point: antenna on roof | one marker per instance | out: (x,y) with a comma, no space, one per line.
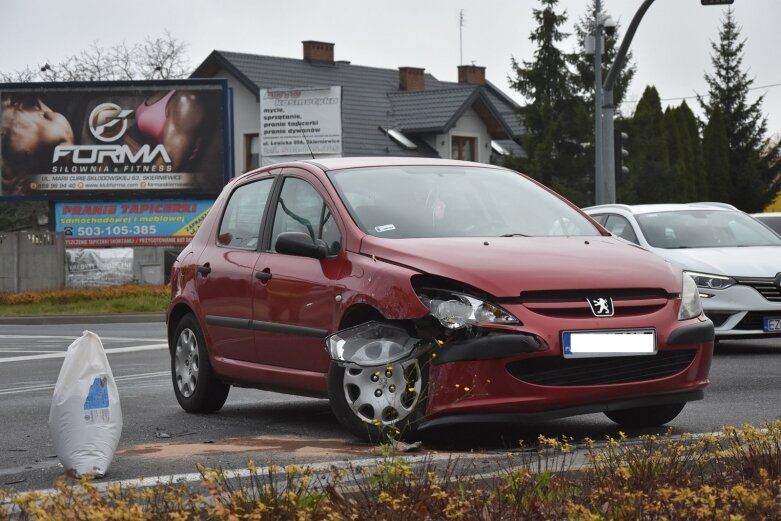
(461,36)
(305,139)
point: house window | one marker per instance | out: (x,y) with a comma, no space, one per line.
(251,152)
(464,148)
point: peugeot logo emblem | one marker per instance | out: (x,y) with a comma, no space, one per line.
(601,306)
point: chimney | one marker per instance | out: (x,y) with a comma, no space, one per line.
(318,51)
(471,74)
(411,79)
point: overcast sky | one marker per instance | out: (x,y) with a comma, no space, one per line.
(671,48)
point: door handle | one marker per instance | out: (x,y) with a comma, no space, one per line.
(263,275)
(204,270)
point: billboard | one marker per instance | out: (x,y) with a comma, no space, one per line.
(300,122)
(86,268)
(129,223)
(65,141)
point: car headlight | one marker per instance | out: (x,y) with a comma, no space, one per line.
(708,281)
(456,310)
(690,299)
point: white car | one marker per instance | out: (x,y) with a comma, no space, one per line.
(770,219)
(734,259)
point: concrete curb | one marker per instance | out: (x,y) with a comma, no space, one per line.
(115,318)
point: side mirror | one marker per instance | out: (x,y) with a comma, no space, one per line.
(301,245)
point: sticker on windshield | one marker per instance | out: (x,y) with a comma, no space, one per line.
(384,228)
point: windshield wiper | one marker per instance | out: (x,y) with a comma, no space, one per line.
(515,235)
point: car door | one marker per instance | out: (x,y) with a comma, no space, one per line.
(295,296)
(226,272)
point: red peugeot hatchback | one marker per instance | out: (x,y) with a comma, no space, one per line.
(414,293)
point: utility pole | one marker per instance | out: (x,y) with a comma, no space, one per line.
(608,177)
(605,174)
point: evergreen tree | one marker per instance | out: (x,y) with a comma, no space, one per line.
(715,151)
(753,164)
(555,117)
(687,124)
(682,184)
(649,164)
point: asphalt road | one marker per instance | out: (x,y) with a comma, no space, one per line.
(159,439)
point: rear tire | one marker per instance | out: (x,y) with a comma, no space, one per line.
(652,416)
(196,387)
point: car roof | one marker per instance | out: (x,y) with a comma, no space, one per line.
(338,163)
(639,209)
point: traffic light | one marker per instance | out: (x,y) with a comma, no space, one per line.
(619,151)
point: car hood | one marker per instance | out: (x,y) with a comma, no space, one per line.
(506,266)
(748,261)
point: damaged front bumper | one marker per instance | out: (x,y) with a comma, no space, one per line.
(375,344)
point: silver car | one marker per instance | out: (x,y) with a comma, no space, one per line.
(734,259)
(770,219)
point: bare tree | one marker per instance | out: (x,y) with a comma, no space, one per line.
(164,57)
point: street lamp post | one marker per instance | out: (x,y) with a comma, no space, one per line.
(605,173)
(608,110)
(599,158)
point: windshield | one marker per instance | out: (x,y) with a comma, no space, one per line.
(454,201)
(704,229)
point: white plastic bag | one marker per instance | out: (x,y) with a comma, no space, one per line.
(85,419)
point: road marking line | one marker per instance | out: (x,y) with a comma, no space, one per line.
(15,350)
(112,351)
(244,472)
(72,338)
(50,387)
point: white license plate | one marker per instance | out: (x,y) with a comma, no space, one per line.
(629,342)
(772,324)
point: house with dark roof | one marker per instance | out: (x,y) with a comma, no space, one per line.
(384,112)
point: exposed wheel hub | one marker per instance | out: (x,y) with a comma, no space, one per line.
(383,395)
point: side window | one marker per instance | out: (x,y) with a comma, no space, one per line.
(301,209)
(600,218)
(619,225)
(240,226)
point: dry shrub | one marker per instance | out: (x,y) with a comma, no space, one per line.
(62,296)
(729,477)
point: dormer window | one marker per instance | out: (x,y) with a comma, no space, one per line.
(400,139)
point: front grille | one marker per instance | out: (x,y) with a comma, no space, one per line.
(765,286)
(583,294)
(599,371)
(755,320)
(717,318)
(574,303)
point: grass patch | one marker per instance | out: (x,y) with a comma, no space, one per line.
(735,476)
(87,301)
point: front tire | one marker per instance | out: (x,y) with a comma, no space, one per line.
(379,403)
(196,387)
(652,416)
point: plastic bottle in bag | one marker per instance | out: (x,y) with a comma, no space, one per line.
(85,419)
